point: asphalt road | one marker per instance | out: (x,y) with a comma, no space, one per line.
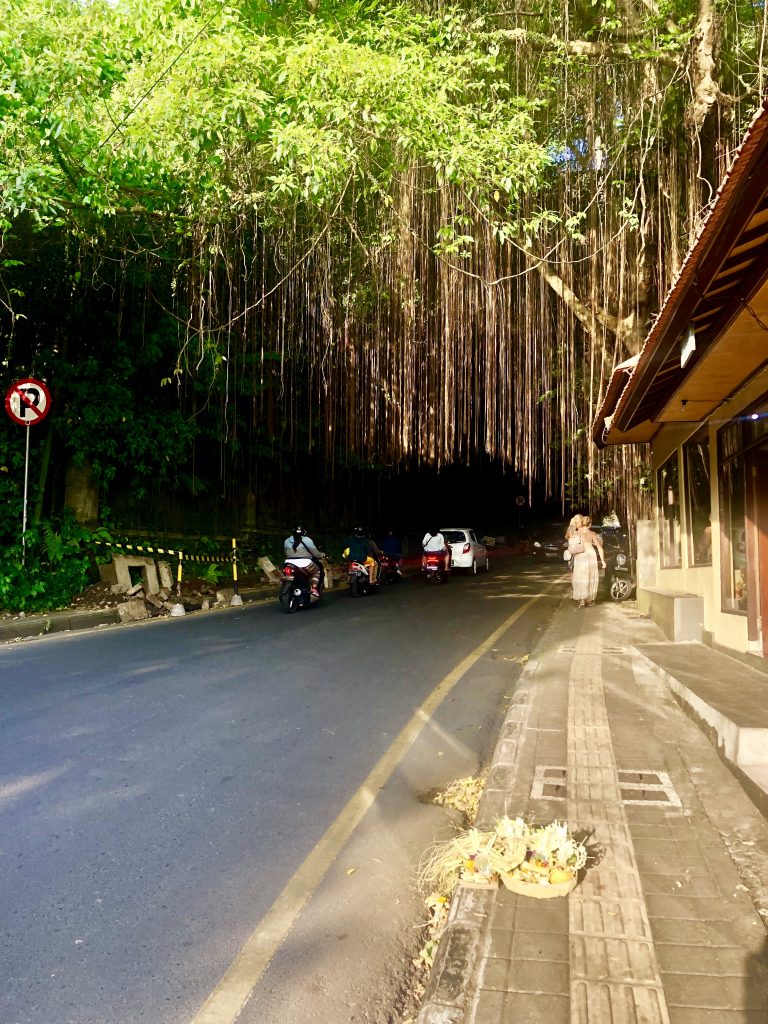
(160,784)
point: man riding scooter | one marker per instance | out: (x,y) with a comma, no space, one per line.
(360,548)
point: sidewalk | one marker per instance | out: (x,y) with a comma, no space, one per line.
(668,923)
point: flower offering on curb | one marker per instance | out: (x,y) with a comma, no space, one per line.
(535,860)
(551,861)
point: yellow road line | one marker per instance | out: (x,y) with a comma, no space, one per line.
(226,1002)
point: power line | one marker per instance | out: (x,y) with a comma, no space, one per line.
(161,76)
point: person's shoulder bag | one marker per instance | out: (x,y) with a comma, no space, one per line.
(575,544)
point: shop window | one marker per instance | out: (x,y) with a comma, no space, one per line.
(698,497)
(669,512)
(734,544)
(756,423)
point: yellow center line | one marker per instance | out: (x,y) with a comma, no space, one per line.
(225,1004)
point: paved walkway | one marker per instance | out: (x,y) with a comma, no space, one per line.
(665,925)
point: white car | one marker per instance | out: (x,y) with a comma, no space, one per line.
(467,552)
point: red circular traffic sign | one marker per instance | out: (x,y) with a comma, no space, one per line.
(28,401)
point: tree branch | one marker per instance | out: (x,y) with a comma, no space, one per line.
(624,330)
(583,47)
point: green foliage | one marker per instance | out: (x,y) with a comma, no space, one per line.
(196,109)
(211,573)
(115,417)
(149,145)
(59,562)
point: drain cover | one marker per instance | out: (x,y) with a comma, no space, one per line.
(644,787)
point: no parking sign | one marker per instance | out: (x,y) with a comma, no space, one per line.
(28,401)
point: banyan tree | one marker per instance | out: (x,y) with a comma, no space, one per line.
(392,234)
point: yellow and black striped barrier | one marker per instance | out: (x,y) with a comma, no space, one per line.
(151,549)
(143,548)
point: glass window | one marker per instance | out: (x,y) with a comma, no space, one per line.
(734,544)
(756,423)
(669,512)
(454,536)
(698,498)
(729,440)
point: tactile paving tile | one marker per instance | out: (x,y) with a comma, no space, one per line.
(614,972)
(616,1004)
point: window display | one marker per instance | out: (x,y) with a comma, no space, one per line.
(698,497)
(669,512)
(734,545)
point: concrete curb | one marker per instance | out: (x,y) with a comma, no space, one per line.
(35,626)
(55,622)
(450,990)
(729,739)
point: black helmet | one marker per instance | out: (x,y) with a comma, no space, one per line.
(299,531)
(358,531)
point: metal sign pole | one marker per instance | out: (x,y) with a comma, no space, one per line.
(24,516)
(27,402)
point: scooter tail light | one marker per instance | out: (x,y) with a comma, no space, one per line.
(288,570)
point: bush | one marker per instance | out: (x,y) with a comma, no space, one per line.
(59,563)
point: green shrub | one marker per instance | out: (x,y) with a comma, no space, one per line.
(58,563)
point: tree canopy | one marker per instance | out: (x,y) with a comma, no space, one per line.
(361,233)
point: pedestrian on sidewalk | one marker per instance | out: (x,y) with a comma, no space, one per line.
(585,547)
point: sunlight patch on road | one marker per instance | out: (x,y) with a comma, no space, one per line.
(226,1002)
(11,790)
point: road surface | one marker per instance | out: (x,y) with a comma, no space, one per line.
(176,792)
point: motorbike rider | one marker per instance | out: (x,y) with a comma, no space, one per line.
(393,549)
(360,548)
(302,551)
(433,542)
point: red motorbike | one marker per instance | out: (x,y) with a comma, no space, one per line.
(436,566)
(389,570)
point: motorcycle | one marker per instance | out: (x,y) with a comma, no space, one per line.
(436,567)
(389,570)
(618,580)
(296,588)
(359,580)
(621,583)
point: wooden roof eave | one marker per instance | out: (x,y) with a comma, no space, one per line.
(740,198)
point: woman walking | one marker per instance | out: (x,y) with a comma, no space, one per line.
(585,547)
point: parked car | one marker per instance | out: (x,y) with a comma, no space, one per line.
(549,542)
(467,551)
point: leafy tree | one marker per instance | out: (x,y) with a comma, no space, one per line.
(318,205)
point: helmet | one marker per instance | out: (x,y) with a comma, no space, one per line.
(358,531)
(299,531)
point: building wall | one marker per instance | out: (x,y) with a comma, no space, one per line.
(726,628)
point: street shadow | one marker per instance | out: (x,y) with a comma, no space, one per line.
(756,983)
(595,850)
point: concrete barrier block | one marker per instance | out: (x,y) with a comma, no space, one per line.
(108,574)
(165,574)
(132,611)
